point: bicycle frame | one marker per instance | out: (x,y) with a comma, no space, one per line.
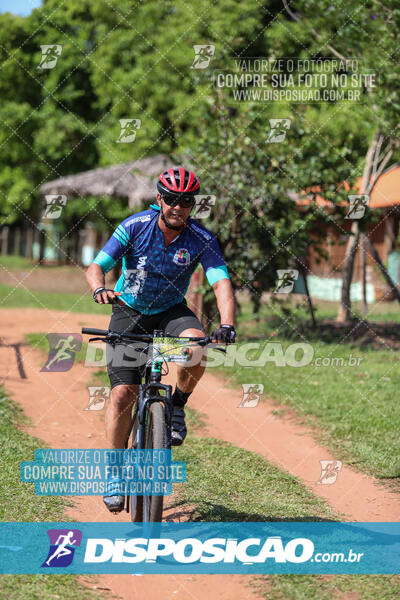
(152,390)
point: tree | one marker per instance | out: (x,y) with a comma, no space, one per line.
(256,219)
(367,32)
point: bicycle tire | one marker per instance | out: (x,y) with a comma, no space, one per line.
(135,502)
(155,439)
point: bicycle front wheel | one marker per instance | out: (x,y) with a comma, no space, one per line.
(155,439)
(135,502)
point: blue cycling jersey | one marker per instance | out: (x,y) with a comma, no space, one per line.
(154,277)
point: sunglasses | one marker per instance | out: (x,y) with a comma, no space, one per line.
(184,201)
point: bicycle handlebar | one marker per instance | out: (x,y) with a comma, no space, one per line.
(114,336)
(91,331)
(137,337)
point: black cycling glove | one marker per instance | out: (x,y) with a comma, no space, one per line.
(225,334)
(100,290)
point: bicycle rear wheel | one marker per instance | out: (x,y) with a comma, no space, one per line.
(155,440)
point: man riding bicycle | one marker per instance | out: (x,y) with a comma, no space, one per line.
(160,249)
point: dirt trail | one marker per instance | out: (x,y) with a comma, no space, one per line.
(56,401)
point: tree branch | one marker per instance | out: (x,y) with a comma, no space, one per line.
(313,31)
(377,153)
(382,166)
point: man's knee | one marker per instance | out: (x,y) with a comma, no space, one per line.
(123,396)
(197,353)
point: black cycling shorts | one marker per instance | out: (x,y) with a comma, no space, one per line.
(127,320)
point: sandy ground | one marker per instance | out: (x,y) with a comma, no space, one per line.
(56,403)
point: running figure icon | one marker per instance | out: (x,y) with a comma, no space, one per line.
(62,549)
(64,348)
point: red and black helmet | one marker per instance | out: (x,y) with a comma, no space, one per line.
(177,181)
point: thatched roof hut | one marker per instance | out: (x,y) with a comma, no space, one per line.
(134,181)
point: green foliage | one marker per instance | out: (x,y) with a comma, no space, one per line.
(123,60)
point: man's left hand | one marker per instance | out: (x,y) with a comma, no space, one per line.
(225,334)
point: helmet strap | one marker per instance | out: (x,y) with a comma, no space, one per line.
(174,227)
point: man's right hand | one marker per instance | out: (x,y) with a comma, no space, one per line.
(103,295)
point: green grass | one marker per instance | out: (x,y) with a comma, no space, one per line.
(225,483)
(231,484)
(327,587)
(17,499)
(275,315)
(19,503)
(16,262)
(17,297)
(354,408)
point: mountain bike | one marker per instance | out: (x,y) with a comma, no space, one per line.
(152,411)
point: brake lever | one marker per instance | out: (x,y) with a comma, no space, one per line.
(111,339)
(221,350)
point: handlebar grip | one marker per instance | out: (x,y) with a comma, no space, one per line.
(91,331)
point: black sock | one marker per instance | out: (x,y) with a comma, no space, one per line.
(179,398)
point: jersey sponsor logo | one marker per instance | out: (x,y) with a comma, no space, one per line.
(138,220)
(181,257)
(206,235)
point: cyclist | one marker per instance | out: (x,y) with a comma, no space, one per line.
(160,248)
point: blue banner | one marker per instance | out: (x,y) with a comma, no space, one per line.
(250,548)
(92,472)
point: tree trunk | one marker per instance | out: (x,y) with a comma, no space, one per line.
(303,271)
(42,243)
(351,249)
(28,242)
(352,244)
(4,239)
(364,275)
(384,272)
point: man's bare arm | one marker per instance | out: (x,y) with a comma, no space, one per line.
(225,301)
(95,278)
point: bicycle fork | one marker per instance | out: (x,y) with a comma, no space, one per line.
(147,395)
